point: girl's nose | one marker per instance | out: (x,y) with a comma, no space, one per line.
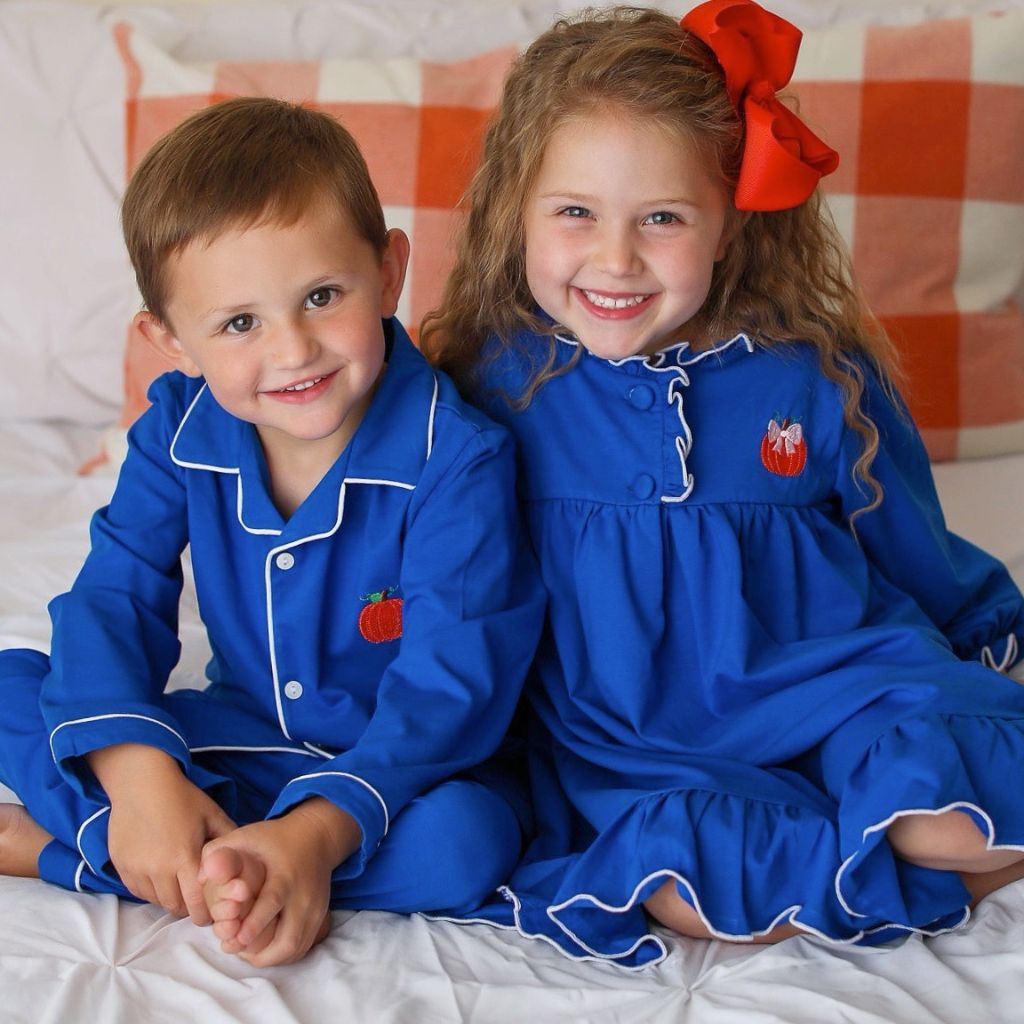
(616,252)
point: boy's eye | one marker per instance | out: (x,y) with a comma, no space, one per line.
(319,297)
(240,324)
(661,217)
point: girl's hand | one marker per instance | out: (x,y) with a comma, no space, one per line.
(159,823)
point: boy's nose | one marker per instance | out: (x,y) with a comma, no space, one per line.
(293,345)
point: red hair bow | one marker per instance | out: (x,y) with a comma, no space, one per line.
(783,159)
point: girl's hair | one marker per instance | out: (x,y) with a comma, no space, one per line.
(233,165)
(786,275)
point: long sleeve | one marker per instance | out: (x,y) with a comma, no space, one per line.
(966,592)
(472,613)
(115,638)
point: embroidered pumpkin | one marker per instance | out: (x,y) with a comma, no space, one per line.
(783,450)
(381,620)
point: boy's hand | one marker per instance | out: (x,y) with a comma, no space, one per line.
(159,823)
(297,853)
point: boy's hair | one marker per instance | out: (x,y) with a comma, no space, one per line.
(786,275)
(235,164)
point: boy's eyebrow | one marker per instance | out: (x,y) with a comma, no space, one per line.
(243,307)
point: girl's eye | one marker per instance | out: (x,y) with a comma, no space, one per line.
(575,211)
(320,297)
(661,217)
(241,324)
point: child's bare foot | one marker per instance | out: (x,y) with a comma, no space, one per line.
(21,842)
(232,880)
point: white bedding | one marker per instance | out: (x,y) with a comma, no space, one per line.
(65,294)
(75,959)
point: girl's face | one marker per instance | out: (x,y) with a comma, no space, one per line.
(623,228)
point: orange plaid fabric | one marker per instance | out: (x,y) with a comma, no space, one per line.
(928,119)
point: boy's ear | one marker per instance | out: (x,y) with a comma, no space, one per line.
(160,336)
(394,264)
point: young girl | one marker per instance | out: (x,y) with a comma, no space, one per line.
(765,702)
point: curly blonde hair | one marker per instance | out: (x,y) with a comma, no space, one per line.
(785,277)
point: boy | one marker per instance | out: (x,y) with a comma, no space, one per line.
(358,562)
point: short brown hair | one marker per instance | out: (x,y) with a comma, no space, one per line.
(235,164)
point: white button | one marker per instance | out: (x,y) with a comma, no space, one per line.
(285,560)
(293,690)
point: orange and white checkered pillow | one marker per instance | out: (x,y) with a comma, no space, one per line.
(928,119)
(929,123)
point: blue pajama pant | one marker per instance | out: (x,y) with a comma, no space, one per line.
(446,851)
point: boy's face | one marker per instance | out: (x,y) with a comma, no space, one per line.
(285,324)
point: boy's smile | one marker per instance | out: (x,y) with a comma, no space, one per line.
(623,228)
(284,323)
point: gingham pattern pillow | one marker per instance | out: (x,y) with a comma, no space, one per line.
(928,119)
(929,122)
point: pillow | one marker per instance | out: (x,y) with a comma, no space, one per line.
(929,123)
(928,119)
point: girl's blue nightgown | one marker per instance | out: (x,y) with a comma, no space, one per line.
(735,691)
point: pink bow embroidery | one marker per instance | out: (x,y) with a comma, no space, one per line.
(790,436)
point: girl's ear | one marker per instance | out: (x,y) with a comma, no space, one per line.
(735,222)
(160,336)
(394,264)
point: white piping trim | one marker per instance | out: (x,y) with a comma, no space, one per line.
(430,419)
(100,718)
(319,751)
(250,750)
(788,915)
(957,805)
(272,554)
(78,876)
(81,829)
(174,441)
(264,532)
(1009,655)
(354,778)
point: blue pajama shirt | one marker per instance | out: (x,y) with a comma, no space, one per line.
(312,691)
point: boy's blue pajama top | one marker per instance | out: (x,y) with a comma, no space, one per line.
(737,693)
(312,689)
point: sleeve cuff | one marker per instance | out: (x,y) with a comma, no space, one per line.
(351,794)
(73,739)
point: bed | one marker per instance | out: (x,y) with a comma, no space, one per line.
(81,85)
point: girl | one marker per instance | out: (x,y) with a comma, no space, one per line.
(765,703)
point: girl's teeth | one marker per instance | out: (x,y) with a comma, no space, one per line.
(607,302)
(305,384)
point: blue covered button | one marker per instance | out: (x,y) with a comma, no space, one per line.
(641,396)
(643,486)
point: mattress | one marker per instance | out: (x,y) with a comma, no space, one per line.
(67,958)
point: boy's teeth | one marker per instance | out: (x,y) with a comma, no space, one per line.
(305,384)
(607,302)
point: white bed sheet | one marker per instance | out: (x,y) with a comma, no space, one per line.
(74,959)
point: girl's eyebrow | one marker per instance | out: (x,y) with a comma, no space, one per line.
(584,199)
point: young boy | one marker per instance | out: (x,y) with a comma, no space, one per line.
(370,604)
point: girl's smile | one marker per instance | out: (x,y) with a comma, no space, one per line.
(623,228)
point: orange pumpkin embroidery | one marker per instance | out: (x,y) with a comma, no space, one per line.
(783,450)
(381,620)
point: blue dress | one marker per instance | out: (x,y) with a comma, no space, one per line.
(367,649)
(735,691)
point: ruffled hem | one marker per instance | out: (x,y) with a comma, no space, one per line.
(835,878)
